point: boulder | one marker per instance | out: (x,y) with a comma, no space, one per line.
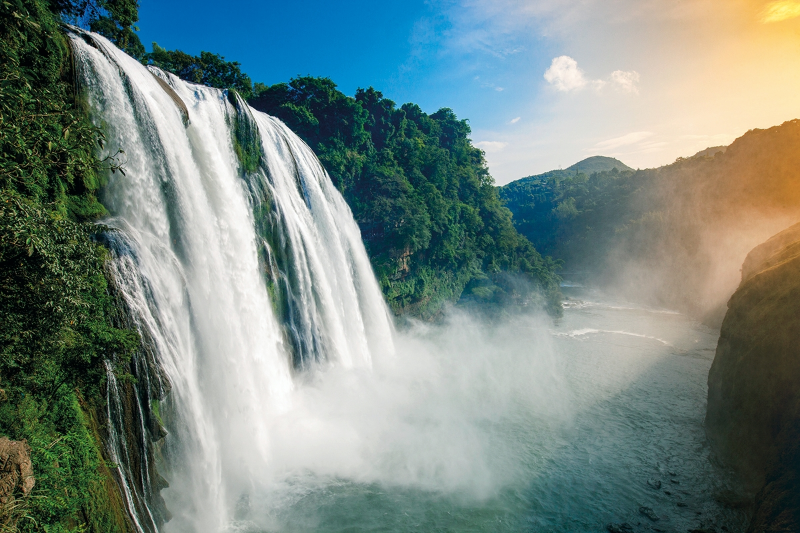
(16,470)
(649,513)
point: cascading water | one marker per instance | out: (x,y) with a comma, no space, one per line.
(239,262)
(268,356)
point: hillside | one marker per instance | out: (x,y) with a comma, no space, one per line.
(598,163)
(547,208)
(586,166)
(674,235)
(753,417)
(62,328)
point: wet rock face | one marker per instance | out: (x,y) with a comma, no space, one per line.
(753,418)
(16,470)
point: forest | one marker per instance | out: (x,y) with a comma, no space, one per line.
(430,215)
(673,236)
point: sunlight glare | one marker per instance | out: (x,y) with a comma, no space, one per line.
(780,10)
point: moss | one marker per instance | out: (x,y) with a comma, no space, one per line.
(246,137)
(155,409)
(57,313)
(104,511)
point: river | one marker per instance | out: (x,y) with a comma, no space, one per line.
(292,403)
(526,425)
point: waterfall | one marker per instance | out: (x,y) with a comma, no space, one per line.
(240,264)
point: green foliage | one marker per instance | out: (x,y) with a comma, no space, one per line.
(558,208)
(429,213)
(56,332)
(113,19)
(46,141)
(246,139)
(566,209)
(122,36)
(57,311)
(55,319)
(71,475)
(207,69)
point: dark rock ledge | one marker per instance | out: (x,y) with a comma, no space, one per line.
(753,418)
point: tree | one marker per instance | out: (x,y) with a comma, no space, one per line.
(429,213)
(114,19)
(207,69)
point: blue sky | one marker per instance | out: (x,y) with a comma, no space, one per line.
(544,83)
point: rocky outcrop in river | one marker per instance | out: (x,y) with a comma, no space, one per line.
(753,418)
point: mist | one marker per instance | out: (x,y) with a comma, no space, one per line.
(435,417)
(677,236)
(493,423)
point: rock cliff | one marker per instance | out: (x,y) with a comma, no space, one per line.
(753,418)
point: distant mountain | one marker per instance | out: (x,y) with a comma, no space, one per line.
(598,163)
(588,166)
(672,236)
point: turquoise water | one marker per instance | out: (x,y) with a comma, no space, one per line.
(527,425)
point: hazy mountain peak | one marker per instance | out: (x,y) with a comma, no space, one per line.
(598,163)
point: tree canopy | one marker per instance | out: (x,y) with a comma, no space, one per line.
(429,212)
(206,69)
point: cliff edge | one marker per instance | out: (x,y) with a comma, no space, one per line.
(753,418)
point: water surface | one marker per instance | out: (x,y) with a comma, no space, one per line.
(528,425)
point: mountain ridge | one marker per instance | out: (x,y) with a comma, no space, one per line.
(588,166)
(674,235)
(598,163)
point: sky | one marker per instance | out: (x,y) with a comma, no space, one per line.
(544,83)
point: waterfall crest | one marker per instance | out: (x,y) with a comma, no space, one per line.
(241,265)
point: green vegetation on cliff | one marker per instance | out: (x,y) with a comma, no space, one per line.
(429,213)
(566,209)
(57,313)
(673,236)
(206,69)
(430,216)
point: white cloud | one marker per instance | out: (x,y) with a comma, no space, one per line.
(625,140)
(626,81)
(564,74)
(491,146)
(515,120)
